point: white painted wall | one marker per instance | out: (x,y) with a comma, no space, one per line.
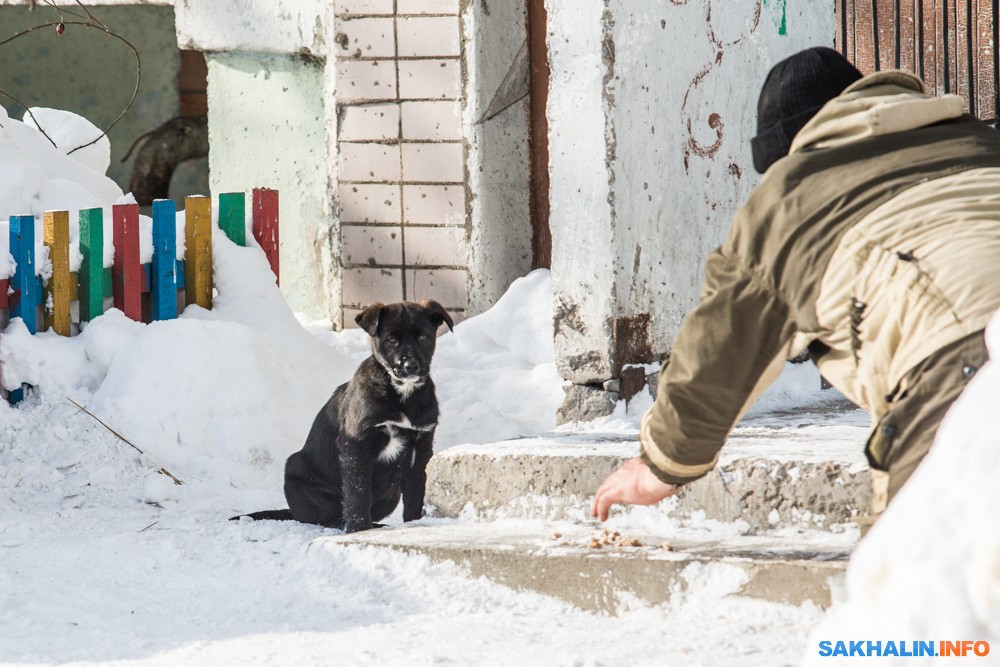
(652,106)
(263,26)
(267,127)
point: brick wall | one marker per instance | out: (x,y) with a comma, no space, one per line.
(402,159)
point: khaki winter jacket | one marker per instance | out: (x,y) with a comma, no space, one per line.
(875,242)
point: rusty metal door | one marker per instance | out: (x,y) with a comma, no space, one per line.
(541,241)
(950,44)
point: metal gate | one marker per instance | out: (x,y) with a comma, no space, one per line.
(950,44)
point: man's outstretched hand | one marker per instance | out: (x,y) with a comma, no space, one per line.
(632,484)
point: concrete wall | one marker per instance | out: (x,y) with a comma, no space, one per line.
(499,175)
(85,72)
(581,216)
(267,127)
(665,95)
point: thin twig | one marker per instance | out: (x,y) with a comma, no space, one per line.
(161,470)
(149,526)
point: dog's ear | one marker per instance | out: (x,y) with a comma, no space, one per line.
(438,314)
(368,318)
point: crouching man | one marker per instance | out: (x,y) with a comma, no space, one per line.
(873,241)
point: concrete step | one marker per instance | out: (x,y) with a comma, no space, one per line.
(559,561)
(805,469)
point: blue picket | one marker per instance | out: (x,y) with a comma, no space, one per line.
(24,283)
(163,283)
(22,247)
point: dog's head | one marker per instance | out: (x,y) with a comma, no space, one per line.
(404,336)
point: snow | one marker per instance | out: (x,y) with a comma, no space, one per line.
(104,560)
(930,567)
(36,176)
(70,131)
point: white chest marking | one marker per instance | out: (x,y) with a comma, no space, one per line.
(406,387)
(394,448)
(397,441)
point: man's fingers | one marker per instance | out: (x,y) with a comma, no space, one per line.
(601,490)
(595,508)
(603,502)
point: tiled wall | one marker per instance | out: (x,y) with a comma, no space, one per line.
(402,165)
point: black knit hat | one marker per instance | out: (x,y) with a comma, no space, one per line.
(794,90)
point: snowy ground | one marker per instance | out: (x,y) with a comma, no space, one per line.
(89,584)
(102,559)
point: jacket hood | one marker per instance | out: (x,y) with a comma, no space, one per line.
(878,104)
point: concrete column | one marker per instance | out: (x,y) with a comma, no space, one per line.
(496,131)
(651,109)
(270,114)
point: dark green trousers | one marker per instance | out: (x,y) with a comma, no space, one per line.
(906,432)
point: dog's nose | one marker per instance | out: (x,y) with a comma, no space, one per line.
(411,366)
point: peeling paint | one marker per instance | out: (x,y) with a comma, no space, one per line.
(567,316)
(581,362)
(783,23)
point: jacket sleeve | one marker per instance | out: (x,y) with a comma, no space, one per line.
(729,349)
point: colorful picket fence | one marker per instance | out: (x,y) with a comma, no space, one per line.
(143,292)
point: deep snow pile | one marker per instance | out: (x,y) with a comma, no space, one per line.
(930,568)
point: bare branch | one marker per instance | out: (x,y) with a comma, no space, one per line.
(162,471)
(88,21)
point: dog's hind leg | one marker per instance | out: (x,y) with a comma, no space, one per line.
(310,504)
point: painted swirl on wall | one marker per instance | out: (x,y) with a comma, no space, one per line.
(693,146)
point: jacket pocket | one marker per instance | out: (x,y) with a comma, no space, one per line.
(880,442)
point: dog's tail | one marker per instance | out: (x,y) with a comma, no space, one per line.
(268,515)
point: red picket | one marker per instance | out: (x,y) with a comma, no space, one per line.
(127,273)
(265,225)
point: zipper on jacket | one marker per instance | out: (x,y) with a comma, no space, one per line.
(857,316)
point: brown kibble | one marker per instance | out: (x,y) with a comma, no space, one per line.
(595,544)
(666,547)
(555,536)
(631,542)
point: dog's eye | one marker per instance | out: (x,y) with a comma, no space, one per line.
(391,341)
(423,338)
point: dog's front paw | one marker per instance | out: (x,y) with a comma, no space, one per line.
(413,513)
(358,525)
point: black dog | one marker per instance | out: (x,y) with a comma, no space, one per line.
(372,440)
